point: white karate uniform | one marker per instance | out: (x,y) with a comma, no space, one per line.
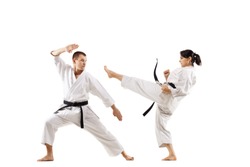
(183,78)
(77,90)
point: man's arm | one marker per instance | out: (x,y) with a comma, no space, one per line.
(67,48)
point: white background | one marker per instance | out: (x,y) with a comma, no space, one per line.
(211,125)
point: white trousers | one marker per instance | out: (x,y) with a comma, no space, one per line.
(91,123)
(165,105)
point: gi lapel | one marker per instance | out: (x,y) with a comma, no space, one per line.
(76,82)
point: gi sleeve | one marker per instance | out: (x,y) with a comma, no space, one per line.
(98,90)
(60,65)
(185,81)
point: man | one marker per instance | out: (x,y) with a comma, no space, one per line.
(77,85)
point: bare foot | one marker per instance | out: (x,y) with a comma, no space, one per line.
(46,158)
(110,73)
(170,158)
(127,157)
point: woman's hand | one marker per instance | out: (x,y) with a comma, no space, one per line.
(165,89)
(166,74)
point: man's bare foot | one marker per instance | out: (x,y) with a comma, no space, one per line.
(110,73)
(170,158)
(46,158)
(127,157)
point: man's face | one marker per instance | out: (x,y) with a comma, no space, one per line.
(80,62)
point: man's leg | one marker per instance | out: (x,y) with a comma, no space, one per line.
(50,128)
(93,125)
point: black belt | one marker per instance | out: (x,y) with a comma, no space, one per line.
(74,104)
(157,81)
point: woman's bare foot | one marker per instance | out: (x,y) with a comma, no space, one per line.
(46,158)
(170,158)
(110,73)
(127,157)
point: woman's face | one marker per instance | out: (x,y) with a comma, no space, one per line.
(185,61)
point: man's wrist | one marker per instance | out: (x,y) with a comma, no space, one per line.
(113,107)
(52,53)
(58,52)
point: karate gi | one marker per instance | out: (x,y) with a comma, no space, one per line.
(77,90)
(183,78)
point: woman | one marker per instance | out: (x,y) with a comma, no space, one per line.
(167,96)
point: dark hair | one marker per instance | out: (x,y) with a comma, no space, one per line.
(77,53)
(195,57)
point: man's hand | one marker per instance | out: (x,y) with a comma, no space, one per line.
(71,47)
(117,113)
